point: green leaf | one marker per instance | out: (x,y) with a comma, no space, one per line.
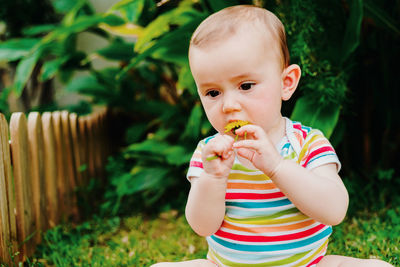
(193,126)
(177,155)
(73,12)
(50,68)
(351,38)
(172,154)
(63,6)
(135,132)
(129,9)
(84,83)
(146,178)
(118,50)
(173,47)
(161,25)
(39,29)
(321,118)
(24,71)
(81,24)
(148,146)
(17,48)
(164,44)
(185,80)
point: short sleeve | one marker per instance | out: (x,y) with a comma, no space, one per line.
(196,164)
(317,151)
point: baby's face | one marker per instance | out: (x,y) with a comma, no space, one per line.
(239,79)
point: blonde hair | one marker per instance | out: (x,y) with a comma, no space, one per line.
(226,22)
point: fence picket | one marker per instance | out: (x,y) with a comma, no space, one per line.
(91,148)
(70,171)
(50,169)
(23,186)
(83,151)
(63,186)
(35,138)
(96,139)
(4,213)
(6,160)
(76,147)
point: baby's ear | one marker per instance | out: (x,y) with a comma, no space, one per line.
(290,79)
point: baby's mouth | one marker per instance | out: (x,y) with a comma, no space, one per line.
(234,125)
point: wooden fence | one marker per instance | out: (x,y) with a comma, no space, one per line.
(43,159)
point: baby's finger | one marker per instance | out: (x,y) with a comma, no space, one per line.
(250,130)
(220,146)
(249,144)
(228,142)
(246,153)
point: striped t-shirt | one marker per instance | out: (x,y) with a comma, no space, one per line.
(262,227)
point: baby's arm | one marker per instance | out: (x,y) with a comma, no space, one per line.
(205,208)
(318,193)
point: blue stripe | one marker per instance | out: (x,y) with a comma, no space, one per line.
(305,128)
(287,146)
(275,247)
(209,138)
(250,213)
(321,156)
(259,205)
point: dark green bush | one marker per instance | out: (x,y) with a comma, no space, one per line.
(347,51)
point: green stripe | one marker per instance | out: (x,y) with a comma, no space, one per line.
(288,260)
(271,219)
(240,167)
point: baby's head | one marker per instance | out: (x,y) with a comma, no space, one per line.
(232,20)
(240,63)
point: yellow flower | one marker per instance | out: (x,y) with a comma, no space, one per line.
(234,125)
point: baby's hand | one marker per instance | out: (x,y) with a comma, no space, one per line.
(218,156)
(258,149)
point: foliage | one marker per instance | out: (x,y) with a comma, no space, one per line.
(322,56)
(157,156)
(150,87)
(323,86)
(10,14)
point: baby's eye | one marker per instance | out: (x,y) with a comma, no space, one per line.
(213,93)
(246,86)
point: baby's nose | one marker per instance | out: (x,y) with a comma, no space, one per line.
(230,104)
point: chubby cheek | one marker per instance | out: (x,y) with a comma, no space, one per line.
(214,117)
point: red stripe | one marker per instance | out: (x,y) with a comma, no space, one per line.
(298,127)
(315,261)
(317,152)
(197,164)
(253,195)
(258,238)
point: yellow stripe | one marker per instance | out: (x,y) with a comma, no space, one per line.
(306,145)
(309,259)
(241,176)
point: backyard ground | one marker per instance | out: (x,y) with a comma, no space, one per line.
(140,240)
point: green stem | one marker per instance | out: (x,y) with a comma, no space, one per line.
(212,157)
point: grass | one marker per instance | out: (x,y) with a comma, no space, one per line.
(130,241)
(142,241)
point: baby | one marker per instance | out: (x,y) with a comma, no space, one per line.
(271,196)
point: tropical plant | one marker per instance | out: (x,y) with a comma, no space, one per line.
(151,87)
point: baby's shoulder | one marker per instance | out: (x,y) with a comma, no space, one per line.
(303,132)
